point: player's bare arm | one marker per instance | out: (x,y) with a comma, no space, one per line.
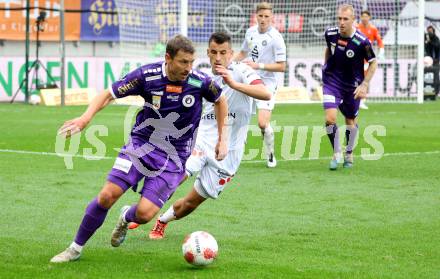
(76,125)
(362,90)
(221,113)
(270,67)
(257,91)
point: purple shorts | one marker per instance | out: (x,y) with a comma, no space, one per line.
(159,183)
(345,101)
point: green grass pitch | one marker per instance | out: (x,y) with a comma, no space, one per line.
(380,219)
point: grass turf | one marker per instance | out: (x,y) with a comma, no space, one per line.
(299,220)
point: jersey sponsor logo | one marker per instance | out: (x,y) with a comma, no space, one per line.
(153,78)
(350,53)
(173,89)
(173,98)
(157,93)
(122,165)
(342,43)
(122,89)
(329,98)
(188,101)
(356,41)
(195,82)
(156,102)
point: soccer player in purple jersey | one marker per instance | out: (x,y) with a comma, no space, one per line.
(160,143)
(344,81)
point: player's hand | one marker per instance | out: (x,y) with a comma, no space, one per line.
(361,91)
(221,149)
(72,127)
(224,73)
(251,64)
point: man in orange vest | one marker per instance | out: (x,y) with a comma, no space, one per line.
(371,32)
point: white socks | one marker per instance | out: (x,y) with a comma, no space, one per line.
(76,247)
(168,216)
(269,139)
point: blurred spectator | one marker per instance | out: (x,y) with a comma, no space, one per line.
(432,45)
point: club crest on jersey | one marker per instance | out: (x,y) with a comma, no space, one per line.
(156,101)
(350,53)
(188,101)
(264,43)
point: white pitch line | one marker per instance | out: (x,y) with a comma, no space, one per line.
(243,162)
(55,154)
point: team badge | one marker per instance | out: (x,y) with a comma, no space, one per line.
(188,101)
(350,53)
(156,101)
(264,43)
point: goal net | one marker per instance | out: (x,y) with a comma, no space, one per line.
(143,35)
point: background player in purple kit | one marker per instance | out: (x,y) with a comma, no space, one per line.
(160,143)
(344,83)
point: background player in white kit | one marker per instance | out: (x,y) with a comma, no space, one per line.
(240,84)
(266,52)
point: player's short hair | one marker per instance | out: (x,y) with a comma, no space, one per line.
(345,7)
(264,6)
(220,38)
(367,12)
(179,42)
(430,27)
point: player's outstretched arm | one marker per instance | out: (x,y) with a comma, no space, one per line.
(257,91)
(76,125)
(362,90)
(270,67)
(221,114)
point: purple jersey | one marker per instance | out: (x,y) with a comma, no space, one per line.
(344,69)
(173,109)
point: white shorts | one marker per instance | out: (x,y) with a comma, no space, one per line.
(213,176)
(268,105)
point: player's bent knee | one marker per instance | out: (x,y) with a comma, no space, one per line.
(107,198)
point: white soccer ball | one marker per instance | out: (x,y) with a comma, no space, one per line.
(199,248)
(34,99)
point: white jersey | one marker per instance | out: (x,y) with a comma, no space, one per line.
(268,47)
(239,110)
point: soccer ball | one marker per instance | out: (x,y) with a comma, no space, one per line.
(199,248)
(34,99)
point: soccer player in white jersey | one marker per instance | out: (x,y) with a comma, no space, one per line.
(265,51)
(240,84)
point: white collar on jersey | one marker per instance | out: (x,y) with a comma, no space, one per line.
(164,72)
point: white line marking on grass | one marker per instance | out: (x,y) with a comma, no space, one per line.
(396,154)
(54,154)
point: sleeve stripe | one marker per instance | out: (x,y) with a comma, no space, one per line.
(256,81)
(371,60)
(111,92)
